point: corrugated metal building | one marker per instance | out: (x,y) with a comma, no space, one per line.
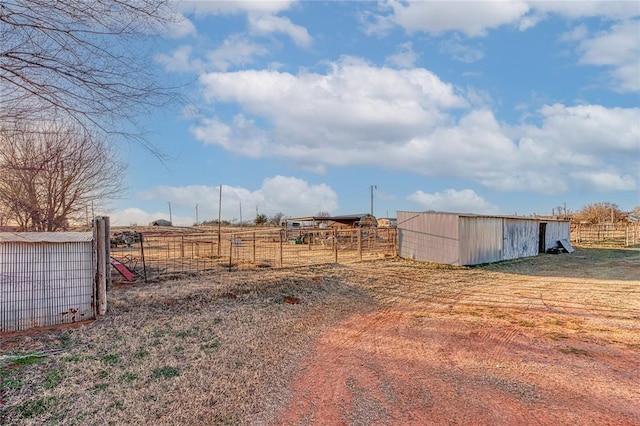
(467,239)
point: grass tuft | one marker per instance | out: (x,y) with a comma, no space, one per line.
(165,373)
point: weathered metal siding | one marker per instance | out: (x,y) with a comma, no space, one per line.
(520,238)
(480,240)
(429,237)
(556,230)
(45,283)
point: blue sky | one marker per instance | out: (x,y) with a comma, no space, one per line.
(503,107)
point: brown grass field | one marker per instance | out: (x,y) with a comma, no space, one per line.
(553,339)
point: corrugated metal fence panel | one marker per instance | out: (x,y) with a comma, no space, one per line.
(481,239)
(45,284)
(431,237)
(555,232)
(520,238)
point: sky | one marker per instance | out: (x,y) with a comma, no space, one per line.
(301,107)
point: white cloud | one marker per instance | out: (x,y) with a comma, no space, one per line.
(180,26)
(179,60)
(606,181)
(610,9)
(279,194)
(235,51)
(450,200)
(410,120)
(577,34)
(353,97)
(619,50)
(265,24)
(459,51)
(473,18)
(209,7)
(590,129)
(405,57)
(476,18)
(134,216)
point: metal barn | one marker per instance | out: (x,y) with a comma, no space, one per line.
(467,239)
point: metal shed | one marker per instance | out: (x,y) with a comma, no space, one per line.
(468,239)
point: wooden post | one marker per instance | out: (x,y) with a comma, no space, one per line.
(144,264)
(254,247)
(101,276)
(359,235)
(107,239)
(335,245)
(230,252)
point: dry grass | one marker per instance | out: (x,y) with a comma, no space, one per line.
(223,349)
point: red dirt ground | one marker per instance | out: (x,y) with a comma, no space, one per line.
(391,368)
(487,358)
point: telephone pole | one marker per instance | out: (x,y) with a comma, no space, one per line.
(372,188)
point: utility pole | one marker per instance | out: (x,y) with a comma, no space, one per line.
(170,216)
(196,213)
(219,221)
(372,188)
(240,216)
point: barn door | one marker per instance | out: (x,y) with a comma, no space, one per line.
(542,238)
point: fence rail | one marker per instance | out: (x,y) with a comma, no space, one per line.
(162,254)
(606,234)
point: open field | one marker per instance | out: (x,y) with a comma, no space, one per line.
(553,339)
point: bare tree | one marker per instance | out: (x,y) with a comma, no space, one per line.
(49,175)
(599,213)
(276,219)
(87,59)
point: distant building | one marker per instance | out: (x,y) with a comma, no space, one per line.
(160,222)
(363,220)
(387,222)
(467,239)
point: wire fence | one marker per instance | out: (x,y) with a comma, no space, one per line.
(154,255)
(606,234)
(44,282)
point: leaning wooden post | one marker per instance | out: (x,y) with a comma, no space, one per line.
(101,277)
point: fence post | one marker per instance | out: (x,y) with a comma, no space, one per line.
(281,261)
(144,263)
(230,252)
(254,248)
(101,276)
(335,245)
(359,239)
(107,246)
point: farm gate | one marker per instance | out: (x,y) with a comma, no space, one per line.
(606,234)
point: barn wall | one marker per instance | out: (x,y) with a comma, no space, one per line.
(480,239)
(520,238)
(429,237)
(556,231)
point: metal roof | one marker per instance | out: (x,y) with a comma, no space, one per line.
(45,237)
(538,218)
